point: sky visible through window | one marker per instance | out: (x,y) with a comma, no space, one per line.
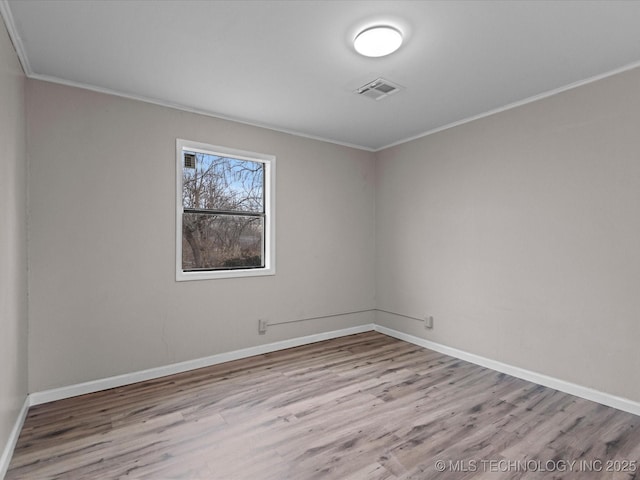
(223,183)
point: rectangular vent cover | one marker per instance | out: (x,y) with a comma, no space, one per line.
(378,89)
(189,160)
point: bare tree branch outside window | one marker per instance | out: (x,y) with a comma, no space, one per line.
(224,213)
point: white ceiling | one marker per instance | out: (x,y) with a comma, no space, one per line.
(291,66)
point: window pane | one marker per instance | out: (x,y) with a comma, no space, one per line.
(221,241)
(221,183)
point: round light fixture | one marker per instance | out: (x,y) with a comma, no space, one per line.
(378,41)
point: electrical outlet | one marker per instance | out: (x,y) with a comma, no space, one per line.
(262,326)
(428,322)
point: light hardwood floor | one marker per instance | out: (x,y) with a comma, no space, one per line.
(365,407)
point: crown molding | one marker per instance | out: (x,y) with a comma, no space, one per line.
(5,11)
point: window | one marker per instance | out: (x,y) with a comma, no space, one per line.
(224,214)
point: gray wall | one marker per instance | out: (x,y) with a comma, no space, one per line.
(13,239)
(520,233)
(103,295)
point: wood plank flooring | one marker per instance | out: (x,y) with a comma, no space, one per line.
(365,407)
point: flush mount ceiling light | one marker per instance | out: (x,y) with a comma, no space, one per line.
(378,41)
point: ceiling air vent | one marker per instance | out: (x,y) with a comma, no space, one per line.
(189,160)
(378,89)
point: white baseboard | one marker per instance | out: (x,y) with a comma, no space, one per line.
(545,380)
(7,453)
(620,403)
(38,398)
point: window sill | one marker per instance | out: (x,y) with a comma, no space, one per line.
(218,274)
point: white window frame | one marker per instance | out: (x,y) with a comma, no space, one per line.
(269,162)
